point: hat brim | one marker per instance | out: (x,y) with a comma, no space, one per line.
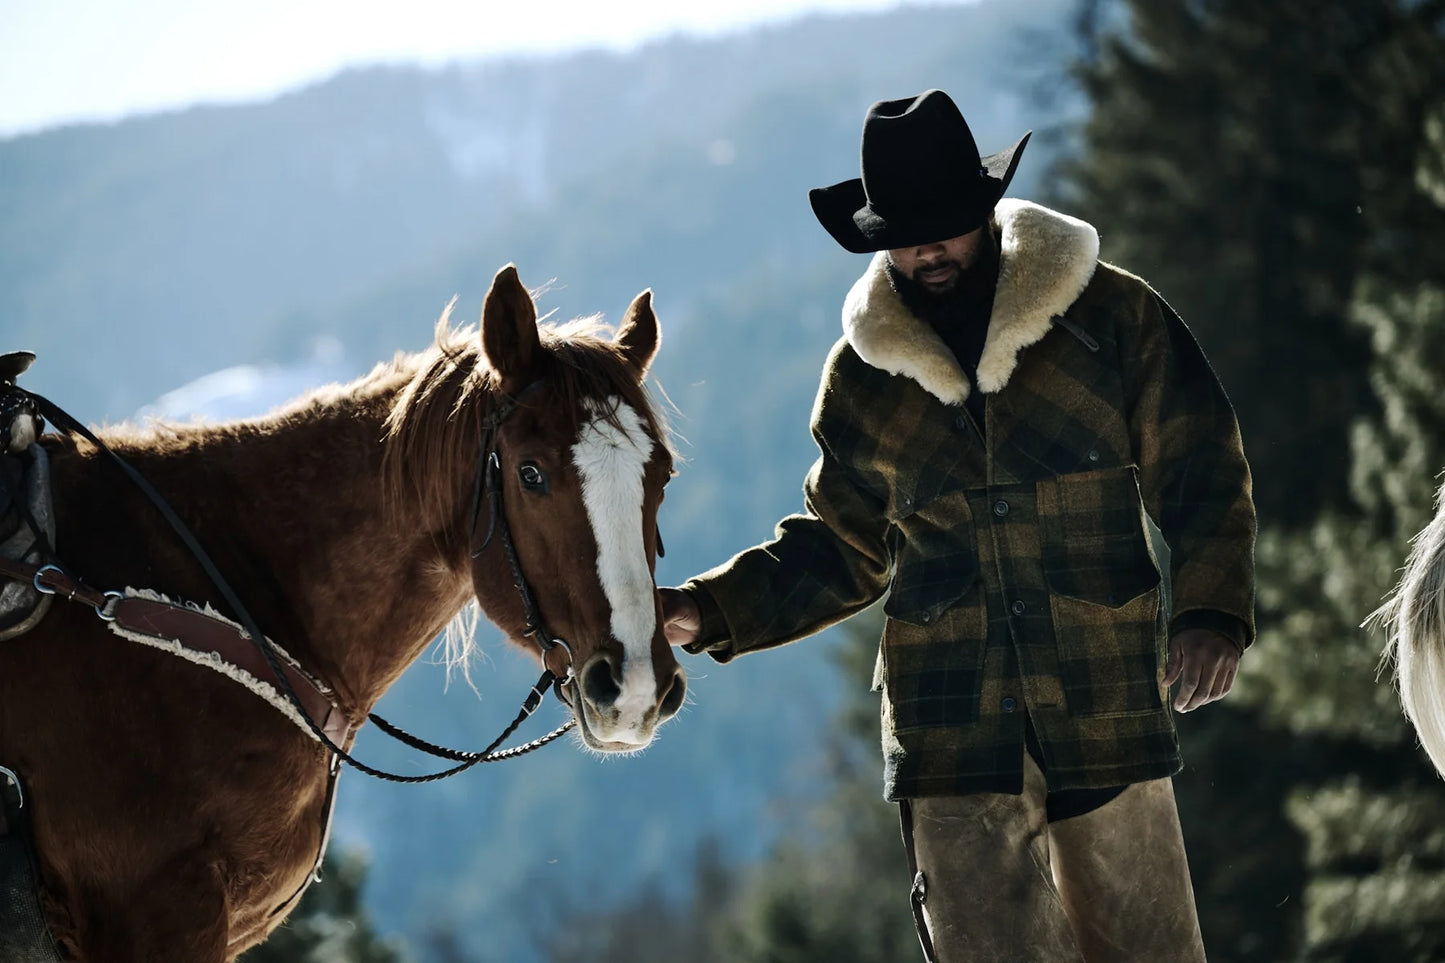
(843,210)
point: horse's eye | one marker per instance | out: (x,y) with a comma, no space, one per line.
(533,478)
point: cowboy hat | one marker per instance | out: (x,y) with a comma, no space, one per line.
(923,179)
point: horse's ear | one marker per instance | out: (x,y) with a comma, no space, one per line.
(638,334)
(509,328)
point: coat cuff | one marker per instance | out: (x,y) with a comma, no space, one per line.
(714,638)
(1232,627)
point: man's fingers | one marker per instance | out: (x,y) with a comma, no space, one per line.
(1203,690)
(1176,663)
(1188,686)
(1223,682)
(1200,675)
(679,632)
(1205,663)
(681,621)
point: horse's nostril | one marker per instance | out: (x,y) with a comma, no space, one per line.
(599,684)
(672,700)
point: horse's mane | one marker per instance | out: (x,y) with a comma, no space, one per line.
(434,402)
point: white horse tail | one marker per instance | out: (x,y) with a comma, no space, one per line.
(1414,620)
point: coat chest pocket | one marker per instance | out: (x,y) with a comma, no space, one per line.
(1092,537)
(933,639)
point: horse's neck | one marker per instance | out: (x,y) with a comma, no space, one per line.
(356,584)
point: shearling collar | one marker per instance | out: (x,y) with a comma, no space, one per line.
(1046,261)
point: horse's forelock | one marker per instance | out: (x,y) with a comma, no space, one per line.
(589,369)
(435,423)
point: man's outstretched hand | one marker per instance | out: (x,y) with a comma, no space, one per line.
(681,619)
(1203,659)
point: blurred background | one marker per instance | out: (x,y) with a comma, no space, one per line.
(206,208)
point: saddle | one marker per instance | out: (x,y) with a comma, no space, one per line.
(24,935)
(27,517)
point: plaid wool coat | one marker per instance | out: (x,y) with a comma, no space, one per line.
(1019,576)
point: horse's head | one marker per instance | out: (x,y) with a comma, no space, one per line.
(577,478)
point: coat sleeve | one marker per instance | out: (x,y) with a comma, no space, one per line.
(821,566)
(1192,472)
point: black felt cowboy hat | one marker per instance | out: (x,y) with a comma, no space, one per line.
(923,179)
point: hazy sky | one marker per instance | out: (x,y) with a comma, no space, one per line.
(63,60)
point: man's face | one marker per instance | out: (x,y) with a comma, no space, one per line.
(939,266)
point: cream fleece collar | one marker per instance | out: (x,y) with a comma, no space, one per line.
(1046,261)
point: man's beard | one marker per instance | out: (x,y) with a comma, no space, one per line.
(970,295)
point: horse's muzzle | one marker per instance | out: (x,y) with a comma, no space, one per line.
(619,707)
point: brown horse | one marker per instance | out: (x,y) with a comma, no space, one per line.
(175,812)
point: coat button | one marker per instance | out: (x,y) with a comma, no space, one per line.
(1009,704)
(926,617)
(920,888)
(1000,508)
(1093,454)
(961,422)
(1019,608)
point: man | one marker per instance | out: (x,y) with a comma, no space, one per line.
(999,416)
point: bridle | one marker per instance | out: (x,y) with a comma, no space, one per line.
(488,486)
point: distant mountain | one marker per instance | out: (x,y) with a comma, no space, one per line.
(139,257)
(176,244)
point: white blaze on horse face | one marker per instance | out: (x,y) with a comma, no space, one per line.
(610,463)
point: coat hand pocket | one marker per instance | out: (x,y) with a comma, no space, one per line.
(1104,588)
(933,639)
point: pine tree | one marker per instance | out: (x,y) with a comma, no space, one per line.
(654,926)
(1374,816)
(1238,155)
